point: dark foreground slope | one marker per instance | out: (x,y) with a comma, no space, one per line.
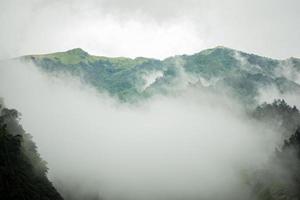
(22,171)
(280,178)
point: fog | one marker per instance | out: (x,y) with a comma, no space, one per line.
(195,144)
(149,28)
(268,94)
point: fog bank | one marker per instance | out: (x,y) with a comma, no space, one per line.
(193,145)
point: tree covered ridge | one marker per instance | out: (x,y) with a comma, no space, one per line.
(23,173)
(241,73)
(280,180)
(279,114)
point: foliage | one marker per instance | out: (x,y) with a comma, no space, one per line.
(240,73)
(279,114)
(22,171)
(281,178)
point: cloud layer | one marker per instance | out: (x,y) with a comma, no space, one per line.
(149,28)
(195,144)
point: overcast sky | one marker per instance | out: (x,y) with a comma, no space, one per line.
(156,28)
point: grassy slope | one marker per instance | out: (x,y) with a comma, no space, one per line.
(123,77)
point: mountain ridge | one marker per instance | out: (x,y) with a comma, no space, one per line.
(241,73)
(79,50)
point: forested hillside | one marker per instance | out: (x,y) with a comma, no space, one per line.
(280,179)
(226,70)
(23,174)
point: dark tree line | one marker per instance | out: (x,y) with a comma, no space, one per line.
(279,114)
(23,174)
(280,180)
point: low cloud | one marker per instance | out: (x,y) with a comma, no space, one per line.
(196,144)
(149,28)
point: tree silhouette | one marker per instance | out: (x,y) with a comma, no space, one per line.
(22,171)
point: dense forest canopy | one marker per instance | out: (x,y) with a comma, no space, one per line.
(280,178)
(23,174)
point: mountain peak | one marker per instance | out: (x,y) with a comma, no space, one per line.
(217,50)
(224,48)
(221,47)
(77,51)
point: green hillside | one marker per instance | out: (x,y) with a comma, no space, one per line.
(240,73)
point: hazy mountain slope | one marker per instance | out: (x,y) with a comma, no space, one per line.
(118,76)
(241,74)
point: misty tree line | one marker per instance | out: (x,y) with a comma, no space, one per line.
(23,174)
(280,115)
(281,178)
(22,171)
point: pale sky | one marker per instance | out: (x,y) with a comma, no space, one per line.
(156,28)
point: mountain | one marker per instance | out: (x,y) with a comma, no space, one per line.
(239,74)
(223,69)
